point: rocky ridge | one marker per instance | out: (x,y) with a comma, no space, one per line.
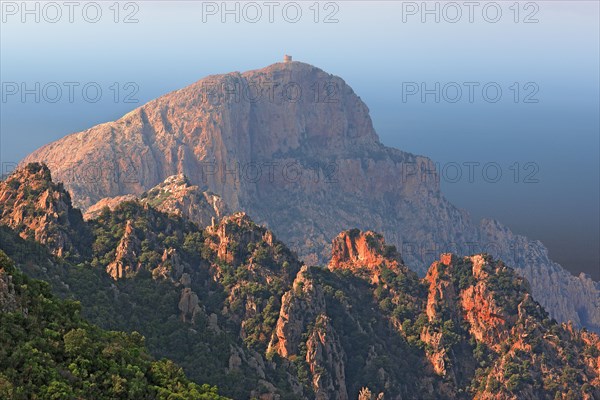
(482,326)
(231,303)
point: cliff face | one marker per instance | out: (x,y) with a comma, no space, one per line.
(296,313)
(308,166)
(484,324)
(325,357)
(303,310)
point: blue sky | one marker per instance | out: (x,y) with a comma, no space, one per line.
(376,47)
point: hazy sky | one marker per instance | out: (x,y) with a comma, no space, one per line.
(542,133)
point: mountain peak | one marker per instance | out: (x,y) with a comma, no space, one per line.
(33,173)
(286,65)
(37,208)
(179,180)
(213,127)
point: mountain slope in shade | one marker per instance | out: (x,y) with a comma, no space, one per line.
(235,307)
(307,166)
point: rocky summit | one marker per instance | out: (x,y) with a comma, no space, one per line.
(294,147)
(173,196)
(38,209)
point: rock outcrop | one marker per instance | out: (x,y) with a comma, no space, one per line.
(473,317)
(109,203)
(478,299)
(171,267)
(295,147)
(8,296)
(173,196)
(41,210)
(317,318)
(126,256)
(299,307)
(234,234)
(326,359)
(487,319)
(189,305)
(364,253)
(440,291)
(303,322)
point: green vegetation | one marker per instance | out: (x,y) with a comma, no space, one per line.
(364,331)
(156,231)
(47,351)
(508,288)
